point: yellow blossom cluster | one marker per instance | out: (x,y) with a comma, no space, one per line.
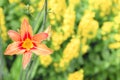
(66,15)
(88,27)
(57,9)
(101,5)
(70,52)
(116,7)
(68,22)
(78,75)
(63,14)
(40,5)
(111,30)
(107,28)
(14,1)
(114,45)
(74,2)
(45,60)
(66,29)
(3,29)
(84,46)
(57,39)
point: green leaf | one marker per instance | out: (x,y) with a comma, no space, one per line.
(38,21)
(16,68)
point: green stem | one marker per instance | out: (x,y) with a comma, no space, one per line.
(33,68)
(38,21)
(45,17)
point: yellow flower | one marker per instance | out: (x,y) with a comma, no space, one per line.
(67,27)
(3,29)
(56,67)
(40,5)
(104,38)
(57,39)
(117,37)
(74,2)
(45,60)
(69,16)
(57,8)
(88,15)
(104,6)
(68,22)
(84,45)
(22,5)
(116,7)
(88,26)
(78,75)
(114,45)
(117,18)
(70,52)
(63,65)
(85,49)
(31,8)
(72,48)
(2,17)
(14,1)
(106,28)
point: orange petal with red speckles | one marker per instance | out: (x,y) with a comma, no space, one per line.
(42,49)
(13,49)
(15,36)
(40,37)
(26,29)
(26,59)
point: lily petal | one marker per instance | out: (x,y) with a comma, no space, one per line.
(48,30)
(26,59)
(13,49)
(42,49)
(26,30)
(15,36)
(40,37)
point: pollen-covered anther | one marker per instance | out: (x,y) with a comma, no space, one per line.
(27,44)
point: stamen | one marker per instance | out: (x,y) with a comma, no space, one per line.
(27,44)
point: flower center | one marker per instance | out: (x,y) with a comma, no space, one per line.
(27,44)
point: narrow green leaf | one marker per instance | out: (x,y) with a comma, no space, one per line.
(38,21)
(16,67)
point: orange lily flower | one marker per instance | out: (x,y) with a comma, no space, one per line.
(25,43)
